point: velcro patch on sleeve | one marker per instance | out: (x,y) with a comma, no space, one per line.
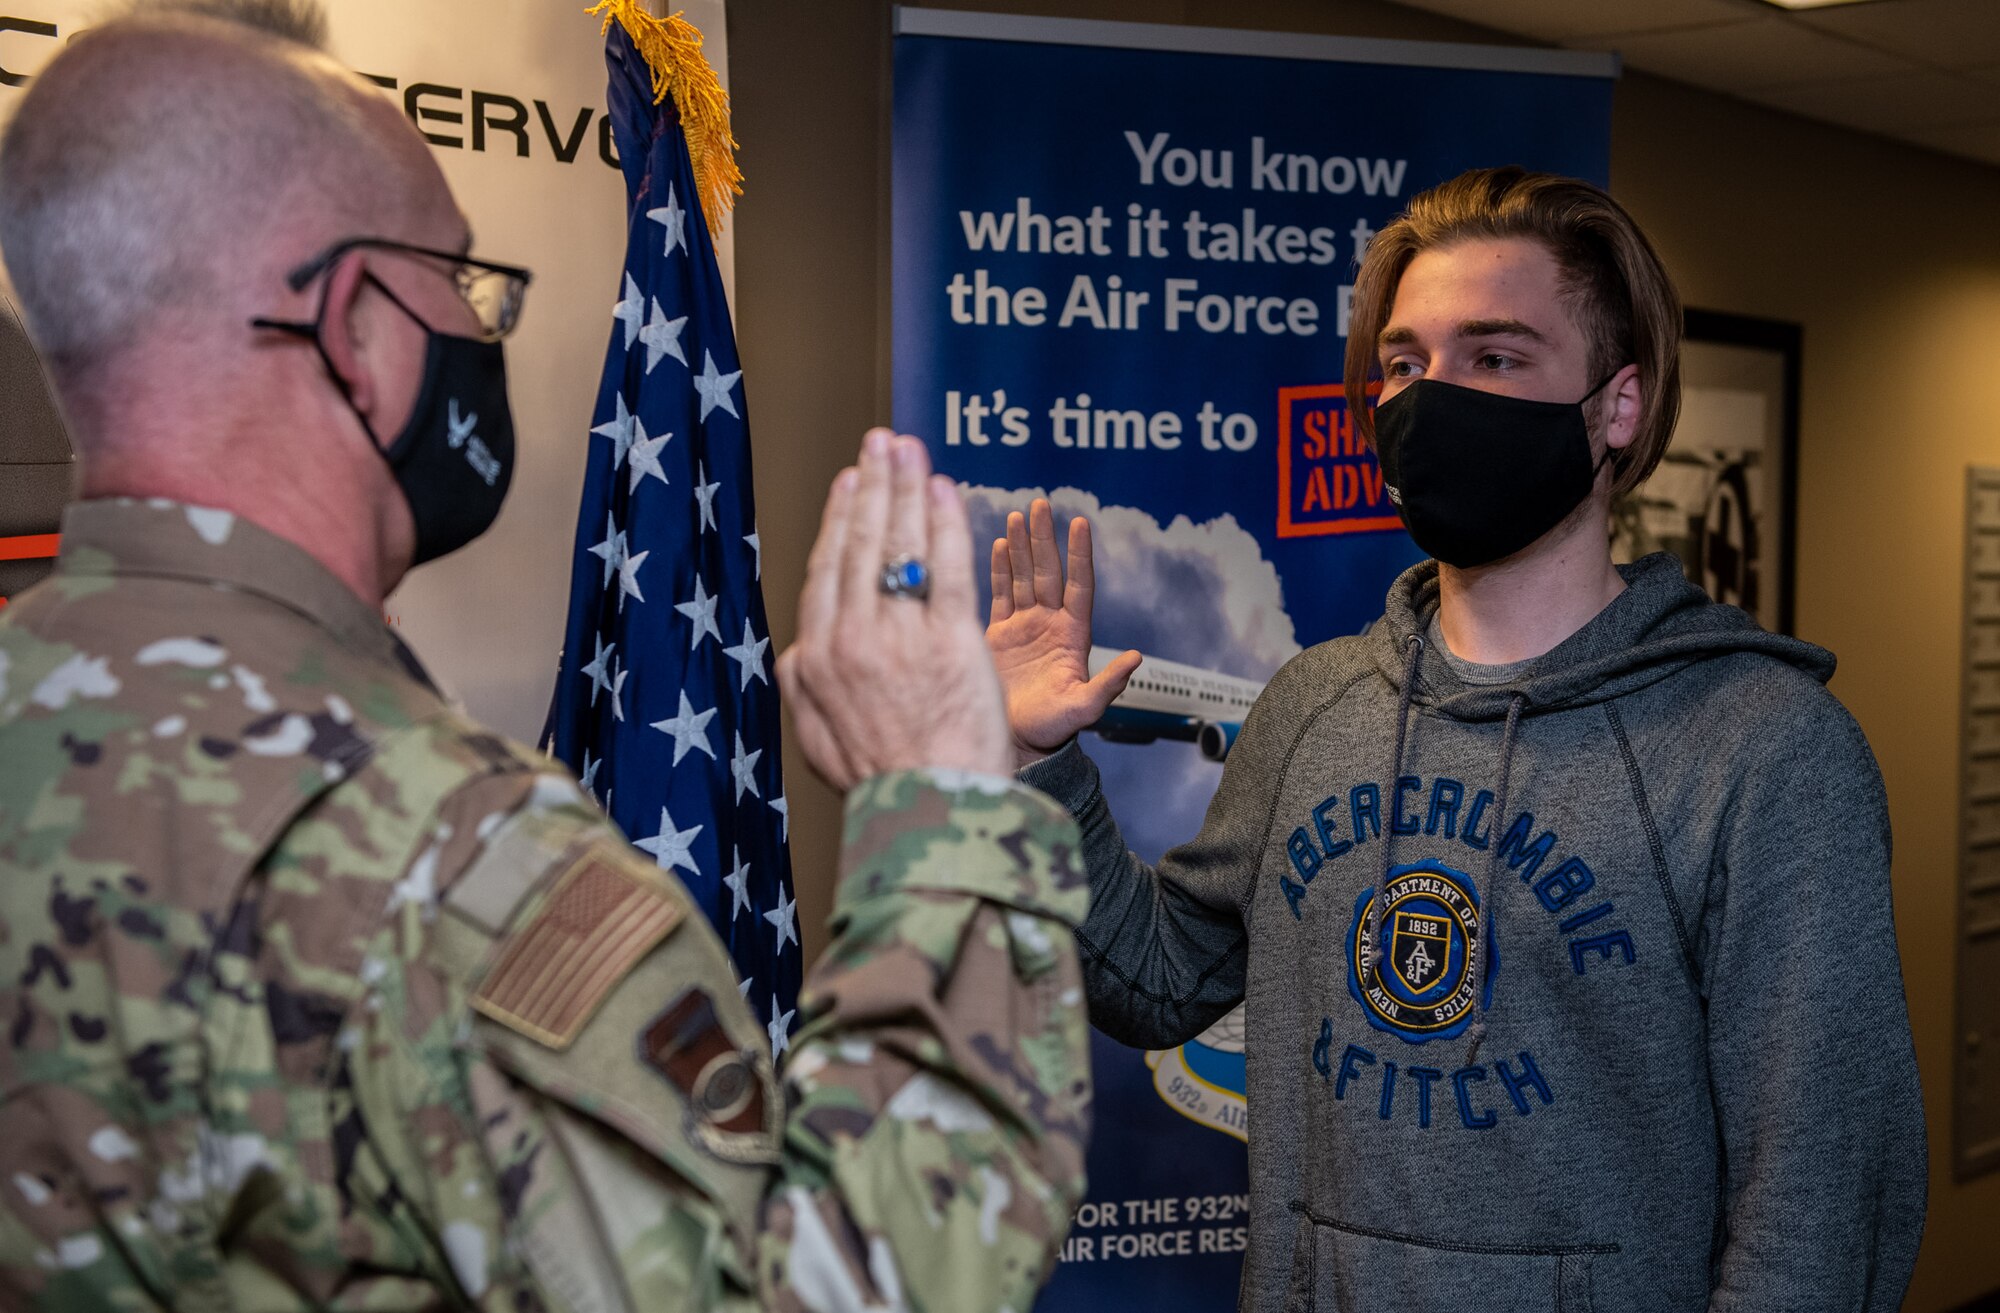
(688,1046)
(558,965)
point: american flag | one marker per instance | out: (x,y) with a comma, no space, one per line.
(665,705)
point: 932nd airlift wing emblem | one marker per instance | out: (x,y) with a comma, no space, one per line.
(561,961)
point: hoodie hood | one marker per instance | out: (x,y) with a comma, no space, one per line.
(1661,624)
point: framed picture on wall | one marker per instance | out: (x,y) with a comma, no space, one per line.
(1725,495)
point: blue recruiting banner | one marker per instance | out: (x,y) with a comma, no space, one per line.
(1123,265)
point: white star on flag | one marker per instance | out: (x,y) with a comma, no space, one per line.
(738,882)
(715,386)
(619,429)
(674,219)
(749,654)
(590,765)
(743,988)
(612,550)
(784,811)
(780,1028)
(628,575)
(662,337)
(784,919)
(646,455)
(690,730)
(630,310)
(599,669)
(740,767)
(757,550)
(702,611)
(704,492)
(617,691)
(672,847)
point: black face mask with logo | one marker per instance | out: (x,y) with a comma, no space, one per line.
(453,459)
(1477,476)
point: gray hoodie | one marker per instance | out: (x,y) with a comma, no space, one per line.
(1635,1038)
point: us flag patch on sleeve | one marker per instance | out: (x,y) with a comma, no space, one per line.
(554,968)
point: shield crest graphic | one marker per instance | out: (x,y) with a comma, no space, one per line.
(1415,982)
(1420,949)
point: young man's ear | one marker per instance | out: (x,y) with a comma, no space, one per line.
(344,335)
(1626,395)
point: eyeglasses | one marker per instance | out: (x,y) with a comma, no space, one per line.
(492,291)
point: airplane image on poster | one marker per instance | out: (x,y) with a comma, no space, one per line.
(1167,700)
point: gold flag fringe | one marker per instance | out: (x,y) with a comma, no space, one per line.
(672,47)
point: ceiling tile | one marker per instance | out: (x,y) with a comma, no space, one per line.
(1745,56)
(1891,104)
(1917,70)
(1979,143)
(1942,33)
(1567,20)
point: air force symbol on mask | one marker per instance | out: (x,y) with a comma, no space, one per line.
(462,433)
(1420,988)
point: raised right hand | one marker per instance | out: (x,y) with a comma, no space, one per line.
(1040,634)
(879,683)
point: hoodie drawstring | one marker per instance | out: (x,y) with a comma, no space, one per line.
(1415,642)
(1489,911)
(1475,962)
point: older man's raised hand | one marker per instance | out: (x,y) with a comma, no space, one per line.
(883,677)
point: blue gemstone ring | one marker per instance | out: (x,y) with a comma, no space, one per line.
(906,576)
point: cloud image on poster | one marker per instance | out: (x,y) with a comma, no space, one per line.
(1199,595)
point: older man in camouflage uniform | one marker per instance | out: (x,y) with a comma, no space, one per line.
(319,996)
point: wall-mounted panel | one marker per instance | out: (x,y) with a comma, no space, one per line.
(1976,1077)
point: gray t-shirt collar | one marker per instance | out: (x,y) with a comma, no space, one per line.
(1472,673)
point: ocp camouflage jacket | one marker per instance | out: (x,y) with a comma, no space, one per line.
(319,996)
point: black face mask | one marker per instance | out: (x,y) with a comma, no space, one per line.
(1477,475)
(454,457)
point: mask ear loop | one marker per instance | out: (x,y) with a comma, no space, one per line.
(1600,385)
(1603,460)
(313,331)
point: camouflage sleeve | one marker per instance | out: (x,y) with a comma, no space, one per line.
(940,1095)
(564,1092)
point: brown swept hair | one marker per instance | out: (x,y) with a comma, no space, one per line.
(1612,281)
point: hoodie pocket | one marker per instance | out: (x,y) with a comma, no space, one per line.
(1341,1268)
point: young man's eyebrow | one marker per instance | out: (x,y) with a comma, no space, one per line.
(1500,328)
(1400,335)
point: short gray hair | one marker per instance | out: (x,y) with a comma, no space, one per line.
(302,22)
(168,150)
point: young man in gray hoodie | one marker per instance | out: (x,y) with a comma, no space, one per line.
(1560,899)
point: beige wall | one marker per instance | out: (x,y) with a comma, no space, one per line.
(1889,257)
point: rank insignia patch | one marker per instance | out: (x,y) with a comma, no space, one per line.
(688,1046)
(556,966)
